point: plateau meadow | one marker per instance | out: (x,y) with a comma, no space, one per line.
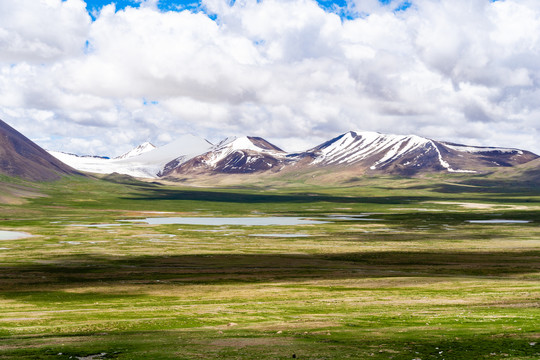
(388,268)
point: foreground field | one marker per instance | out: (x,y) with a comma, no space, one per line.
(413,278)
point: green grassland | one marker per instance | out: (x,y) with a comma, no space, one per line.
(417,281)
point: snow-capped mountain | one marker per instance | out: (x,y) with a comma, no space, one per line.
(147,164)
(378,149)
(407,154)
(141,149)
(357,151)
(233,155)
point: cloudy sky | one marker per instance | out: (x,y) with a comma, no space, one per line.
(99,78)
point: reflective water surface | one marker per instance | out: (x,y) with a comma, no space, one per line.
(12,235)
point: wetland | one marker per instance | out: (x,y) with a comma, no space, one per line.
(328,284)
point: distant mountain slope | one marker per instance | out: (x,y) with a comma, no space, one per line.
(532,173)
(407,155)
(147,164)
(527,174)
(232,156)
(21,157)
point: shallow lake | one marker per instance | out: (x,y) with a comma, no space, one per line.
(352,217)
(220,221)
(96,225)
(12,235)
(280,235)
(498,221)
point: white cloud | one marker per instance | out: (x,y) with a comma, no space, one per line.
(42,31)
(458,70)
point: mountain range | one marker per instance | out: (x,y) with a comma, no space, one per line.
(362,152)
(188,156)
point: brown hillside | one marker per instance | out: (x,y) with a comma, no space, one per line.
(21,157)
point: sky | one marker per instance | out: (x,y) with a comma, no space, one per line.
(99,78)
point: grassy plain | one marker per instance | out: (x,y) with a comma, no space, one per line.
(414,281)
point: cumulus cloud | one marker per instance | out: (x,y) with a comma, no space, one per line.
(459,70)
(42,31)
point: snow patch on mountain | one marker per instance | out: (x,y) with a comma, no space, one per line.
(141,149)
(480,149)
(400,146)
(446,165)
(355,146)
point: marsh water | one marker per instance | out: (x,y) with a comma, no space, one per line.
(95,225)
(12,235)
(220,221)
(498,221)
(241,221)
(277,235)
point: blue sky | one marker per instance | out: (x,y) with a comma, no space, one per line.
(165,5)
(343,8)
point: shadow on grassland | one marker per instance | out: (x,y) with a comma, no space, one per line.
(519,189)
(238,197)
(97,270)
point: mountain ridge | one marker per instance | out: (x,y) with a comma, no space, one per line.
(409,154)
(364,152)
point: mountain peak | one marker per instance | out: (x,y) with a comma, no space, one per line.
(245,154)
(247,143)
(141,149)
(247,147)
